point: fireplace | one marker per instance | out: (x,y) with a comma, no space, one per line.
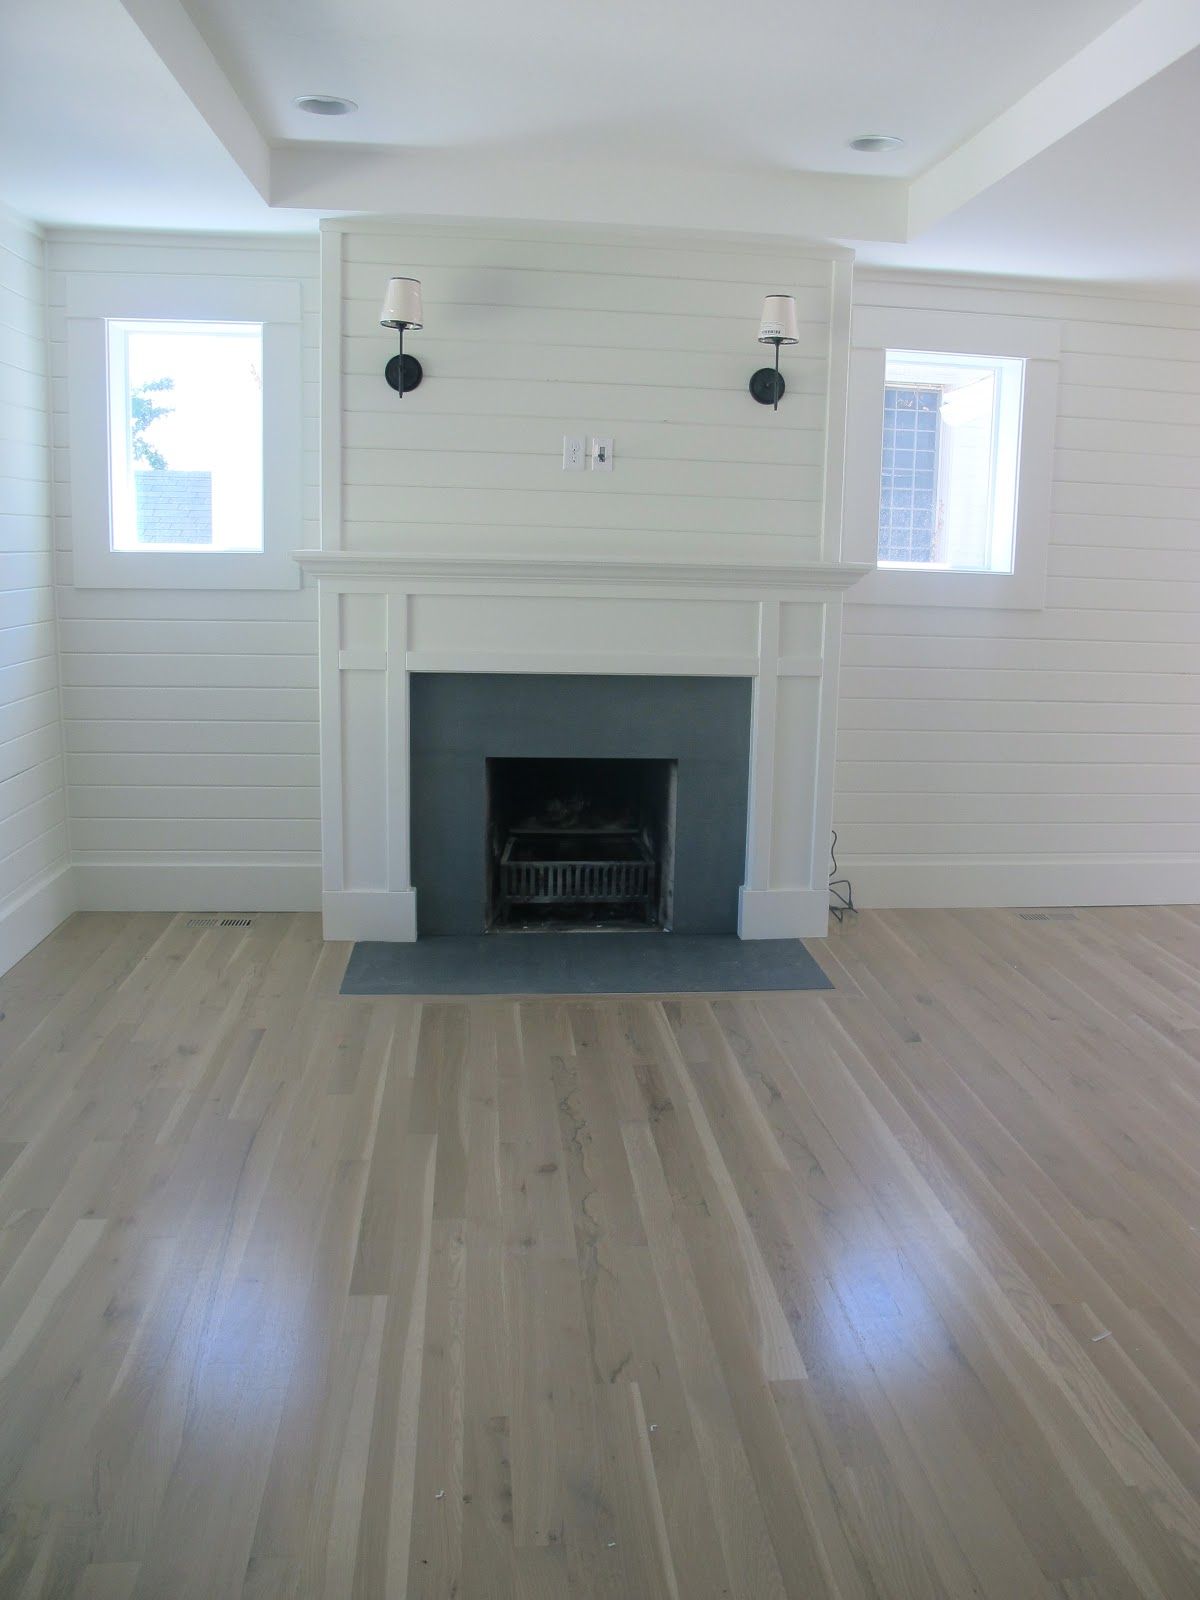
(719,654)
(578,801)
(583,843)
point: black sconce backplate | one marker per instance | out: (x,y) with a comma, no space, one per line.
(767,386)
(413,373)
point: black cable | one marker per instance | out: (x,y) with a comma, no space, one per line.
(840,902)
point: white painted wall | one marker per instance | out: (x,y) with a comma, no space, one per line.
(1050,756)
(191,716)
(34,885)
(532,333)
(1020,756)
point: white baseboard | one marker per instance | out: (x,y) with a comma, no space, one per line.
(783,913)
(370,914)
(34,914)
(191,886)
(1040,882)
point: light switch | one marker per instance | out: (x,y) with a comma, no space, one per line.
(573,453)
(602,455)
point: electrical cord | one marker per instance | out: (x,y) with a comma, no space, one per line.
(841,890)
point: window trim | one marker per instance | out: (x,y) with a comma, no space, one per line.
(875,331)
(277,305)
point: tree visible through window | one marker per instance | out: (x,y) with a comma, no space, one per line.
(188,474)
(142,412)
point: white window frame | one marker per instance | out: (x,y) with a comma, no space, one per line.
(277,305)
(875,331)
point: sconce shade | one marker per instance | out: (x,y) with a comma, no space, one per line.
(779,324)
(402,304)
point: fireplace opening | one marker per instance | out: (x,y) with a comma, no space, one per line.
(584,843)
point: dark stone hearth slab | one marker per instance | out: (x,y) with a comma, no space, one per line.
(581,963)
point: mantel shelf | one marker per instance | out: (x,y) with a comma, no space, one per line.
(535,567)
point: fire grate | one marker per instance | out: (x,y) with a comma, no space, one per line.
(612,868)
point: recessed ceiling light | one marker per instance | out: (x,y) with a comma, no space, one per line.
(873,143)
(325,105)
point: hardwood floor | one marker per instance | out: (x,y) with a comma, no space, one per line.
(887,1292)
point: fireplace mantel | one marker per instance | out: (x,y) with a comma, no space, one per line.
(532,566)
(714,606)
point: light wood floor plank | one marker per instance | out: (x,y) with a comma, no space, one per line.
(888,1292)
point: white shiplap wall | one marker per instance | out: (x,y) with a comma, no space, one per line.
(190,716)
(1053,756)
(34,849)
(534,333)
(1020,756)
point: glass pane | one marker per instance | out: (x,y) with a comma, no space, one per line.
(186,436)
(951,434)
(910,440)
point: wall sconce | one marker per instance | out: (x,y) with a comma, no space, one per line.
(778,327)
(402,309)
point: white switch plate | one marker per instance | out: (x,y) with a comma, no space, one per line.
(573,453)
(602,455)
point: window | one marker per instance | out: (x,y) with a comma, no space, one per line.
(909,507)
(951,441)
(950,455)
(185,401)
(185,430)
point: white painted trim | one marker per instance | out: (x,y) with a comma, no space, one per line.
(398,751)
(618,571)
(35,914)
(277,304)
(764,713)
(121,885)
(550,661)
(329,700)
(1043,881)
(54,437)
(841,299)
(714,241)
(783,913)
(868,278)
(467,183)
(827,717)
(1035,340)
(370,914)
(331,387)
(161,294)
(362,660)
(800,666)
(370,736)
(969,333)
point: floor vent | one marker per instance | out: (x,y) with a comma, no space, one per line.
(237,922)
(1048,916)
(219,922)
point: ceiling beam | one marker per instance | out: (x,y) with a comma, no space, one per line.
(1142,43)
(178,43)
(482,183)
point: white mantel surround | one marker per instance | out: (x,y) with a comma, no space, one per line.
(725,607)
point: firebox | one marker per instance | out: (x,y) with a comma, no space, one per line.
(580,842)
(664,758)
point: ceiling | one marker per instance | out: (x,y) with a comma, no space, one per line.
(1117,200)
(781,83)
(94,131)
(1046,139)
